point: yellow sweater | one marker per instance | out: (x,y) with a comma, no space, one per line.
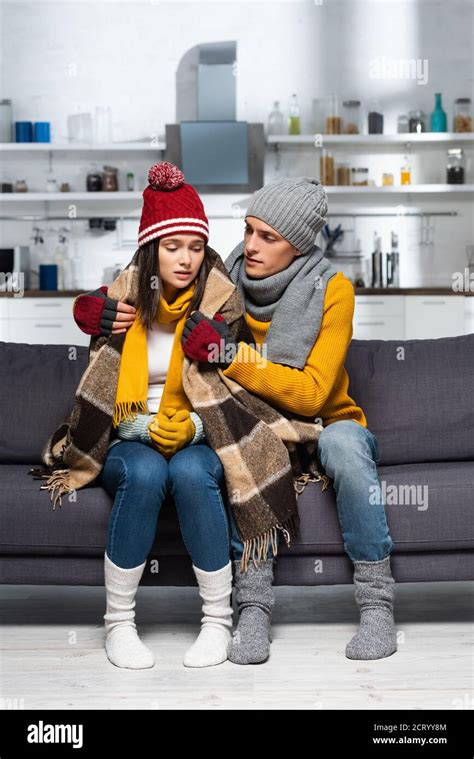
(320,389)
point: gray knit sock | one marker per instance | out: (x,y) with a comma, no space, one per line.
(376,637)
(254,595)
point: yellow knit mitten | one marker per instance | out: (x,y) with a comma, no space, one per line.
(171,430)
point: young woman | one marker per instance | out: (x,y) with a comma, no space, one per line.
(162,448)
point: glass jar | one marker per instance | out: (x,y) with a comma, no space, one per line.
(402,124)
(326,167)
(455,166)
(333,117)
(110,179)
(21,186)
(462,115)
(94,179)
(375,117)
(417,121)
(405,172)
(343,174)
(6,121)
(351,116)
(359,177)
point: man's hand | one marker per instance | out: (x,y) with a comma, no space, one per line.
(208,340)
(171,430)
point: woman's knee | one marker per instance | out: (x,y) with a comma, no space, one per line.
(136,465)
(195,464)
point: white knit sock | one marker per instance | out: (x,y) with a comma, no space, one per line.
(123,646)
(215,589)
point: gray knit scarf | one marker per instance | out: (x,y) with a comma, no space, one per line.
(292,299)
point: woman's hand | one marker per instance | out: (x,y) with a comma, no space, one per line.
(123,317)
(171,430)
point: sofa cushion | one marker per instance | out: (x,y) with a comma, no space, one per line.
(439,518)
(417,395)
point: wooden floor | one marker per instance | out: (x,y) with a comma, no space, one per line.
(52,653)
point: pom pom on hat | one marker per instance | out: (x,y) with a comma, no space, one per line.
(165,176)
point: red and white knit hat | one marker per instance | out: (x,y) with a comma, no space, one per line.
(170,205)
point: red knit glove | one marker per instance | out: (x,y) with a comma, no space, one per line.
(201,335)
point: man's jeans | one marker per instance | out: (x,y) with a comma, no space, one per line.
(138,477)
(348,453)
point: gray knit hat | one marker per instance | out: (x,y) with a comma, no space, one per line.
(295,207)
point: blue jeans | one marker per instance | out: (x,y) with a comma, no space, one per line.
(349,454)
(138,477)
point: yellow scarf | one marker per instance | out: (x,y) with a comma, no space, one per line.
(132,388)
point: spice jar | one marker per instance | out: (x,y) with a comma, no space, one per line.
(417,121)
(21,186)
(455,166)
(94,179)
(402,124)
(343,174)
(375,125)
(351,116)
(333,118)
(462,115)
(110,179)
(360,177)
(326,167)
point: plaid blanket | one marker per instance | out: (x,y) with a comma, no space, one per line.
(268,456)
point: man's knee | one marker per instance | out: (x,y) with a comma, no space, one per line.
(340,444)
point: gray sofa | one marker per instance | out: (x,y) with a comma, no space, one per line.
(418,397)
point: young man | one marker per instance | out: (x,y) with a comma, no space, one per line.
(302,311)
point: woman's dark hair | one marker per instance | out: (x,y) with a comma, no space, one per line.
(149,281)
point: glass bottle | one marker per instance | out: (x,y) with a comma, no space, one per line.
(276,120)
(294,126)
(405,172)
(438,120)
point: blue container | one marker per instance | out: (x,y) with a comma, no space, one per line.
(42,131)
(23,131)
(48,276)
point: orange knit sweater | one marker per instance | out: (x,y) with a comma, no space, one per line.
(320,389)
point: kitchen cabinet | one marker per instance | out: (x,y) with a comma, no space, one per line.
(432,316)
(43,320)
(379,317)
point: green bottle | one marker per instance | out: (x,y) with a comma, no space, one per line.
(438,117)
(294,126)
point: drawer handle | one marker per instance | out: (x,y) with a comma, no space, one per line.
(370,302)
(370,324)
(434,302)
(47,305)
(48,325)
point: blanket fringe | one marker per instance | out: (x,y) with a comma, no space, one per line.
(57,482)
(302,480)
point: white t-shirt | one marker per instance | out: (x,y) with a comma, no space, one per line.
(160,344)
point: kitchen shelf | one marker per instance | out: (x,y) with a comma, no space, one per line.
(373,140)
(65,197)
(73,147)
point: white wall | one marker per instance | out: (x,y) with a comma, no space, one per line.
(60,57)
